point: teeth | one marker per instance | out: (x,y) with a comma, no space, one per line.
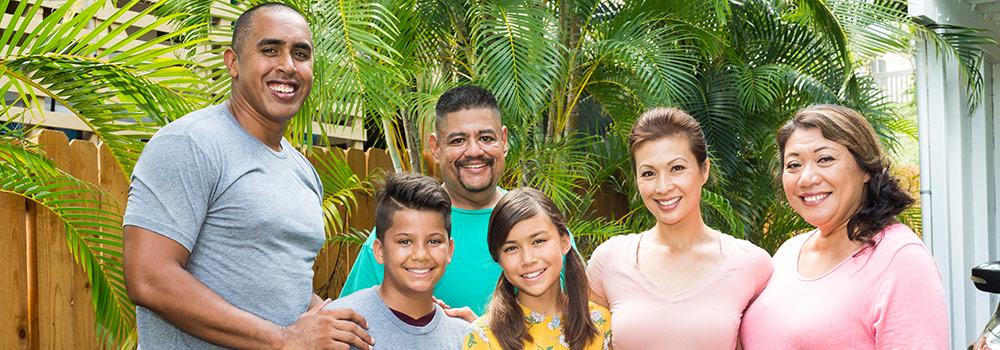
(815,198)
(282,88)
(476,166)
(419,271)
(669,202)
(533,274)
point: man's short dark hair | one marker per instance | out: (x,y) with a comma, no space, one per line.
(410,191)
(464,97)
(244,26)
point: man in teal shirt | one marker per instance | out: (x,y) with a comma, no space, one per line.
(469,144)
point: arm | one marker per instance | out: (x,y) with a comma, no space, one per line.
(156,279)
(911,290)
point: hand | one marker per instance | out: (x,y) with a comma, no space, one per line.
(327,329)
(464,312)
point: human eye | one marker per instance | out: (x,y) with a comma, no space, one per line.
(825,159)
(457,141)
(538,241)
(792,165)
(509,249)
(677,168)
(404,241)
(487,139)
(435,241)
(302,55)
(646,173)
(269,50)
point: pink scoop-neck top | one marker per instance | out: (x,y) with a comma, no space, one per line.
(888,296)
(705,315)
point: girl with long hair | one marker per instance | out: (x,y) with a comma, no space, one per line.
(530,308)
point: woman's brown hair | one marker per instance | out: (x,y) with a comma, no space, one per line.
(662,122)
(505,318)
(882,199)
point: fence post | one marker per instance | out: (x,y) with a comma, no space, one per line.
(13,277)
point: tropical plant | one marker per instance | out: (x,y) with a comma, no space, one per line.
(124,88)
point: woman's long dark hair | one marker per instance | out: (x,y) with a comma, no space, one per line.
(883,199)
(505,319)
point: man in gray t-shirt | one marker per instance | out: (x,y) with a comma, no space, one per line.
(224,217)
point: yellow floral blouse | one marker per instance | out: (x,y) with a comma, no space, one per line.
(546,332)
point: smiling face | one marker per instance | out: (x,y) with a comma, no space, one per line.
(669,179)
(469,146)
(272,74)
(822,180)
(532,258)
(414,252)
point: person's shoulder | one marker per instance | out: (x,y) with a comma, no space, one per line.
(615,243)
(744,249)
(356,300)
(199,121)
(894,238)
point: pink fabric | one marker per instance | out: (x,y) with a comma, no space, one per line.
(886,297)
(703,316)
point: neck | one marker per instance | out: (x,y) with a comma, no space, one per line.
(833,239)
(474,200)
(264,130)
(415,305)
(683,235)
(549,303)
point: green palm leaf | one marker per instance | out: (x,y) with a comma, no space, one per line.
(93,231)
(516,55)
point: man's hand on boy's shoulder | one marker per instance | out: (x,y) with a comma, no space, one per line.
(321,328)
(464,313)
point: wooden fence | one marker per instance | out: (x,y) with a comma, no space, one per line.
(45,298)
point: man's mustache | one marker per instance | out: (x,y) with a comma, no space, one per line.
(480,159)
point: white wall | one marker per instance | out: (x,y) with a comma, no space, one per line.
(958,166)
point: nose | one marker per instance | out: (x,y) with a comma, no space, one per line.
(808,177)
(286,63)
(663,184)
(421,252)
(475,149)
(528,257)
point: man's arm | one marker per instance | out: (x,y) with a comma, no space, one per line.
(156,279)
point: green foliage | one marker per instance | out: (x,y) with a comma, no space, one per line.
(571,77)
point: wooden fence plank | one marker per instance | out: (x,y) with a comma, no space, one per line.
(13,275)
(83,165)
(55,265)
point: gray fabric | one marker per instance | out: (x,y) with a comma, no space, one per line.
(251,218)
(389,332)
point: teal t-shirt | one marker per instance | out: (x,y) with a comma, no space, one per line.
(468,280)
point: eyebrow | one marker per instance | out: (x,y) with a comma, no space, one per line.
(533,235)
(481,132)
(672,161)
(279,42)
(796,154)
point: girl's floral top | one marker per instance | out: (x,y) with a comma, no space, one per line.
(546,332)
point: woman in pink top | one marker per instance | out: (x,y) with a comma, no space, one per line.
(860,280)
(681,284)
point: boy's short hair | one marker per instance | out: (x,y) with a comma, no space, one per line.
(410,191)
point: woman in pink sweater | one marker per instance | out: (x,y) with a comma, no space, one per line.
(681,284)
(860,280)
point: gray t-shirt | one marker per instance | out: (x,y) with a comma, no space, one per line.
(389,332)
(251,218)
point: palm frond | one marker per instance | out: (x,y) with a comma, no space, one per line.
(516,55)
(93,230)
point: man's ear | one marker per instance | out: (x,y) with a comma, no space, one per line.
(503,136)
(377,251)
(232,62)
(432,144)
